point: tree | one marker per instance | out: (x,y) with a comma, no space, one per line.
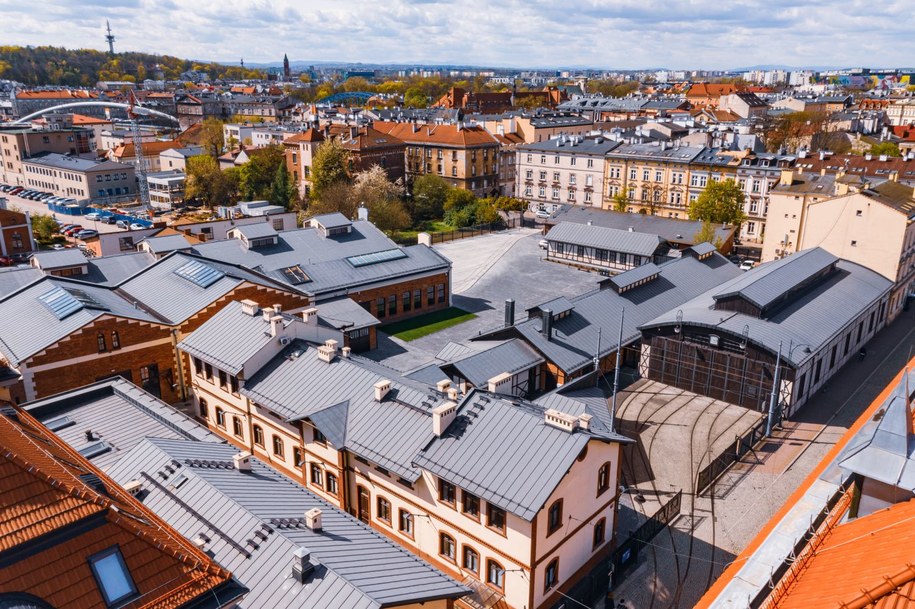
(415,98)
(211,136)
(507,203)
(887,148)
(258,174)
(206,183)
(44,227)
(329,166)
(382,198)
(429,194)
(720,202)
(707,234)
(620,202)
(282,191)
(336,197)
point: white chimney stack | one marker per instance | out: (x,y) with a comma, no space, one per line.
(346,351)
(277,309)
(442,416)
(500,383)
(310,316)
(276,325)
(381,389)
(267,313)
(584,421)
(242,461)
(249,307)
(560,420)
(452,394)
(443,386)
(313,519)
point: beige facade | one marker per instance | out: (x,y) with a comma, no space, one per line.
(20,143)
(563,171)
(901,112)
(78,178)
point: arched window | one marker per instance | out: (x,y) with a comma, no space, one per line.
(551,577)
(603,478)
(471,560)
(495,574)
(446,546)
(236,427)
(600,531)
(220,417)
(278,446)
(115,340)
(554,517)
(101,343)
(259,436)
(202,408)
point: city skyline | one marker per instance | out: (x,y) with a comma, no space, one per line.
(623,35)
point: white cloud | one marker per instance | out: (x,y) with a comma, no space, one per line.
(535,33)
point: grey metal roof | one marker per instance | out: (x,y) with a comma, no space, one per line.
(230,338)
(575,336)
(332,422)
(167,243)
(669,229)
(297,384)
(345,314)
(703,248)
(357,568)
(12,279)
(56,259)
(612,239)
(118,413)
(632,276)
(884,449)
(73,163)
(256,231)
(770,282)
(504,453)
(576,145)
(557,306)
(429,374)
(673,154)
(510,356)
(112,270)
(813,317)
(332,220)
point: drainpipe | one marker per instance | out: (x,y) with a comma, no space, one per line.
(182,387)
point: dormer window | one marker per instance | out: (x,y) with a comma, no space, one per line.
(111,575)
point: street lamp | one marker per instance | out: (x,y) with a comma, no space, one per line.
(775,380)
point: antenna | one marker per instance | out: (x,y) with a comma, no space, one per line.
(109,38)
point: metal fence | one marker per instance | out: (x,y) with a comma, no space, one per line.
(627,553)
(473,231)
(742,445)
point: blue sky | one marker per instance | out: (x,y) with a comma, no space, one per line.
(625,34)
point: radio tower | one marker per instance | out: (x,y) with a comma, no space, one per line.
(109,38)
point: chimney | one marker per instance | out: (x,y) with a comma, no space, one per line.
(249,307)
(362,213)
(442,416)
(242,461)
(302,567)
(584,421)
(560,420)
(453,394)
(267,313)
(443,386)
(546,326)
(345,351)
(277,309)
(310,316)
(509,312)
(134,487)
(276,325)
(500,384)
(631,229)
(414,127)
(787,177)
(313,519)
(328,351)
(381,389)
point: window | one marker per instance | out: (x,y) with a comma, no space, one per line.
(384,510)
(440,290)
(392,304)
(495,517)
(495,574)
(233,385)
(317,476)
(551,577)
(603,479)
(471,560)
(658,176)
(554,517)
(208,372)
(318,437)
(430,296)
(379,307)
(220,417)
(236,427)
(406,301)
(202,409)
(600,531)
(446,546)
(259,436)
(115,340)
(572,161)
(101,343)
(470,505)
(331,484)
(405,522)
(590,163)
(543,175)
(454,171)
(446,492)
(417,299)
(112,577)
(298,456)
(223,380)
(854,243)
(278,446)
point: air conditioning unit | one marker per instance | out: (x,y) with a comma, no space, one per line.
(284,340)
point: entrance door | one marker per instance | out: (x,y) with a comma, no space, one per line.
(364,510)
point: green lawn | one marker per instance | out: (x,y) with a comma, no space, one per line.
(423,325)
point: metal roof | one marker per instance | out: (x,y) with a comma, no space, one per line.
(167,243)
(332,220)
(557,306)
(511,356)
(259,230)
(345,314)
(611,239)
(504,453)
(703,248)
(254,522)
(56,259)
(670,229)
(812,317)
(575,336)
(631,277)
(12,279)
(139,415)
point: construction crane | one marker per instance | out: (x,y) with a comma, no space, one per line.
(133,112)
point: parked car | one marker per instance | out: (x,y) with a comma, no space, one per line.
(94,216)
(122,224)
(58,246)
(746,265)
(16,190)
(542,213)
(544,244)
(110,219)
(44,196)
(137,226)
(73,230)
(86,233)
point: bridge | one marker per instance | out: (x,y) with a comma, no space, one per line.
(96,104)
(358,98)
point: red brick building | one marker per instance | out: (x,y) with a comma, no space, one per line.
(15,234)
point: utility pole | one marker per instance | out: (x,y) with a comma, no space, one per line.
(773,398)
(109,38)
(616,374)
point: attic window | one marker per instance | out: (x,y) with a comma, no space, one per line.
(111,575)
(376,257)
(859,213)
(295,275)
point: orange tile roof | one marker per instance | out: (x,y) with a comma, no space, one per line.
(878,547)
(366,138)
(42,491)
(82,119)
(707,89)
(311,135)
(56,95)
(437,135)
(125,151)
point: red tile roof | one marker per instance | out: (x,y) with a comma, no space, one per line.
(438,135)
(711,90)
(311,135)
(56,95)
(44,488)
(125,151)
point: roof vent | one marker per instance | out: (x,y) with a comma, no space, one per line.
(345,352)
(560,420)
(249,307)
(500,383)
(302,567)
(442,416)
(584,421)
(381,389)
(443,385)
(328,351)
(242,461)
(134,487)
(546,323)
(313,519)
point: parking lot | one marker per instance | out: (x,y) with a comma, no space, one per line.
(39,207)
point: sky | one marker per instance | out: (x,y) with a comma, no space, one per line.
(608,34)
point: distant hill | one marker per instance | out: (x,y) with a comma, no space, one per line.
(85,67)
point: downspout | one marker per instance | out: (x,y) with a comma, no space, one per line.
(182,387)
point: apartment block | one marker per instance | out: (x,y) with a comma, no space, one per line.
(19,143)
(78,178)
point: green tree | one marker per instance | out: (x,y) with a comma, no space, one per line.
(206,183)
(282,191)
(44,227)
(620,202)
(887,148)
(329,166)
(415,98)
(258,174)
(458,199)
(707,234)
(507,203)
(383,199)
(212,136)
(720,202)
(429,194)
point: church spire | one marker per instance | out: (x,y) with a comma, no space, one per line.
(285,66)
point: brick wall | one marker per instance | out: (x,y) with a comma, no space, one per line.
(371,297)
